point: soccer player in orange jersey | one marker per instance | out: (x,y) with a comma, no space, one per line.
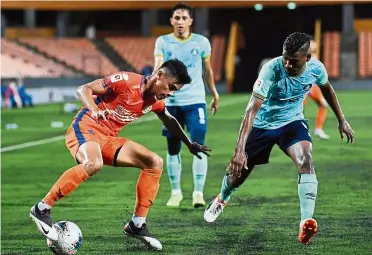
(316,95)
(93,140)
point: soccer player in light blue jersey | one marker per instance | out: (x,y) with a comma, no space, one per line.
(274,116)
(188,105)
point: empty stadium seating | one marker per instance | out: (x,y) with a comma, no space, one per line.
(79,53)
(14,67)
(365,54)
(331,53)
(28,59)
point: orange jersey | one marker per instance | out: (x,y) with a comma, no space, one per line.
(124,102)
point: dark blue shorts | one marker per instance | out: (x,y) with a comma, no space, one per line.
(194,117)
(261,141)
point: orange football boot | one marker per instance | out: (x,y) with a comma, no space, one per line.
(308,229)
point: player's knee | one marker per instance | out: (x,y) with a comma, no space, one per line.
(92,166)
(198,136)
(155,162)
(174,146)
(305,163)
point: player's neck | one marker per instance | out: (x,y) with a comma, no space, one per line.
(182,36)
(147,84)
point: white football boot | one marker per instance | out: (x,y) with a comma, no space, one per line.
(214,209)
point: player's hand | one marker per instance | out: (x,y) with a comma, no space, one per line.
(194,148)
(100,115)
(215,104)
(237,163)
(346,130)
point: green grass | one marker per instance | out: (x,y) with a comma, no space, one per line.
(262,217)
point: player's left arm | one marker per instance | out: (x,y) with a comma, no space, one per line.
(173,126)
(329,95)
(208,76)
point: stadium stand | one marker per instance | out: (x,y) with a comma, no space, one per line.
(365,54)
(13,53)
(80,53)
(331,53)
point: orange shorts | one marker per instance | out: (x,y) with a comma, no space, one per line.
(315,93)
(82,130)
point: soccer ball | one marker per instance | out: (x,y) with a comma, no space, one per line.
(69,241)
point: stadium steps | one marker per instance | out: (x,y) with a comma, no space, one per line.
(112,55)
(37,51)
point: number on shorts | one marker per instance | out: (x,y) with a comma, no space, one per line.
(201,116)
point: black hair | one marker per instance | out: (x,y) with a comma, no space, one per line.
(297,42)
(177,69)
(182,6)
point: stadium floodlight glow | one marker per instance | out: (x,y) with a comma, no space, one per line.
(258,7)
(291,5)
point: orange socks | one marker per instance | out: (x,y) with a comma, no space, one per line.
(67,183)
(147,189)
(320,117)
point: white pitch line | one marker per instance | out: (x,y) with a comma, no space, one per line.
(62,137)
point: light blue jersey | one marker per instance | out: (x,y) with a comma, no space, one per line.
(191,52)
(283,94)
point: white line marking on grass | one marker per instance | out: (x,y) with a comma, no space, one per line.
(62,137)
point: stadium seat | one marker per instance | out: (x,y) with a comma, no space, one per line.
(365,54)
(16,51)
(14,67)
(77,52)
(218,54)
(331,53)
(135,50)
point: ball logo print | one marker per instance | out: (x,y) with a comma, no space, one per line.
(69,240)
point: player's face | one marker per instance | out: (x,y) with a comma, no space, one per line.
(181,21)
(294,64)
(313,47)
(165,87)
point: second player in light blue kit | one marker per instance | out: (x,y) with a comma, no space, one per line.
(274,116)
(188,105)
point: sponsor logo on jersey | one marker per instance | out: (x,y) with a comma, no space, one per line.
(307,87)
(194,52)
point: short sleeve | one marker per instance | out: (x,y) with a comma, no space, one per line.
(206,48)
(158,106)
(158,51)
(264,81)
(323,75)
(115,82)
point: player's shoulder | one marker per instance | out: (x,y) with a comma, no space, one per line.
(315,65)
(166,38)
(199,37)
(273,64)
(125,76)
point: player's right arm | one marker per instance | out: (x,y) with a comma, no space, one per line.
(85,93)
(158,54)
(260,91)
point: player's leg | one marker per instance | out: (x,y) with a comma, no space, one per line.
(89,154)
(258,148)
(196,123)
(132,154)
(321,113)
(174,163)
(296,142)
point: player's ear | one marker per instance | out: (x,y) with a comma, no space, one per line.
(191,21)
(171,21)
(308,57)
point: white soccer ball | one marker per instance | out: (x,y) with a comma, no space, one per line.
(69,241)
